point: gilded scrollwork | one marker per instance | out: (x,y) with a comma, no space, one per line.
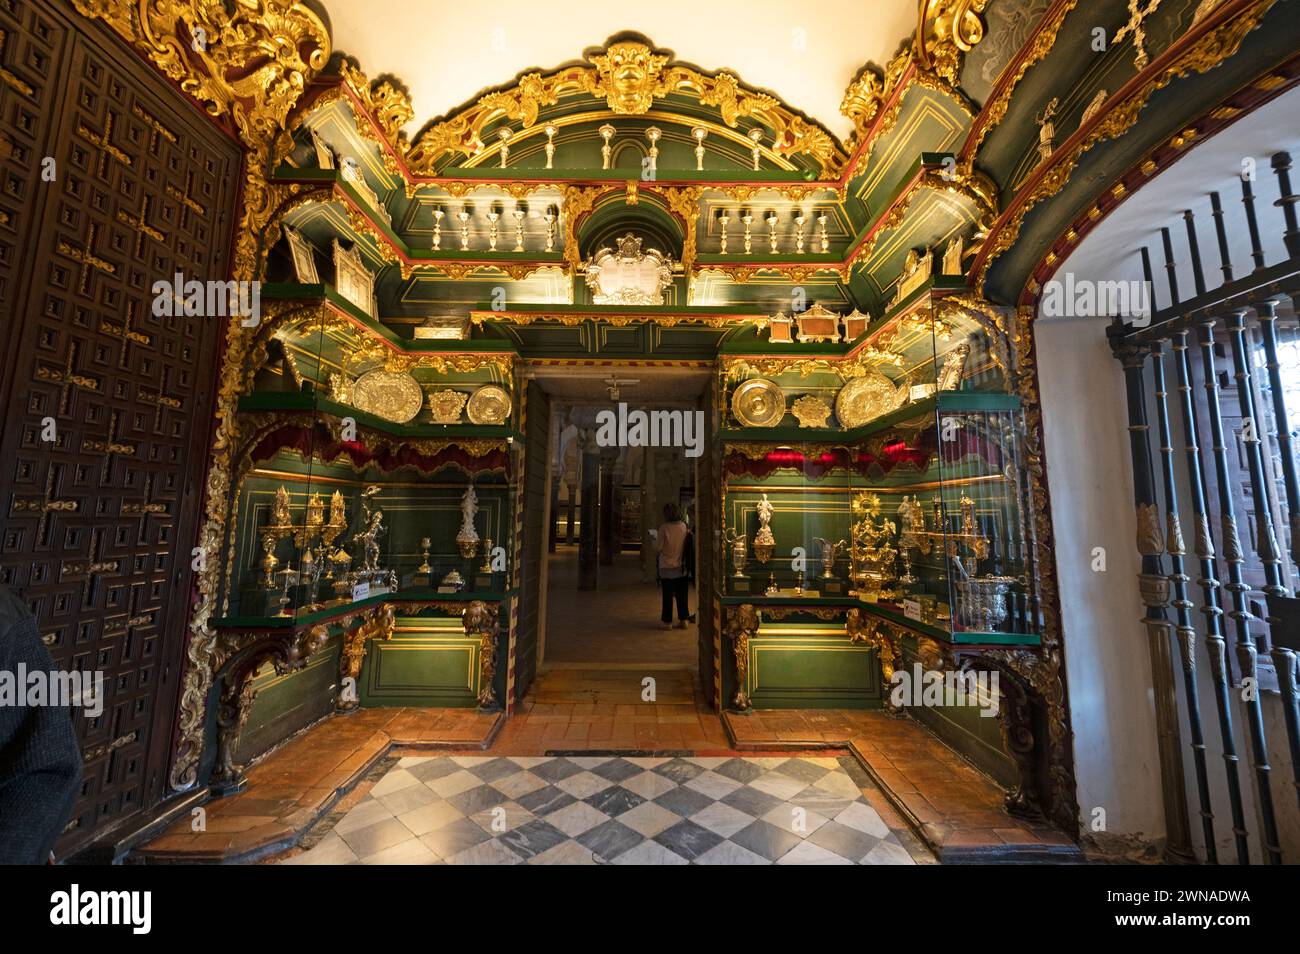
(946,30)
(481,622)
(388,102)
(742,625)
(629,77)
(379,625)
(1203,54)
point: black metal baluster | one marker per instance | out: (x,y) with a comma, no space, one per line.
(1198,275)
(1284,657)
(1261,489)
(1171,270)
(1240,613)
(1182,605)
(1221,233)
(1267,311)
(1281,163)
(1149,278)
(1215,645)
(1155,590)
(1252,224)
(1288,679)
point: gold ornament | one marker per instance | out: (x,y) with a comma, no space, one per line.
(811,411)
(446,405)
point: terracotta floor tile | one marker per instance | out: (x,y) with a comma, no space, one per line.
(972,837)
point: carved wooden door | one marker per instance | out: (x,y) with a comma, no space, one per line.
(113,182)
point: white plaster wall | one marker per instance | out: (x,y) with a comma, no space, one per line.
(1107,662)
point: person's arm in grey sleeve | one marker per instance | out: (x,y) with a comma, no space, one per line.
(40,761)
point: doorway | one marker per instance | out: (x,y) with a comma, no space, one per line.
(602,632)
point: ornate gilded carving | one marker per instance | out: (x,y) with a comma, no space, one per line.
(629,77)
(251,60)
(481,622)
(577,202)
(684,202)
(445,405)
(811,411)
(379,625)
(628,274)
(880,636)
(945,31)
(863,99)
(1149,540)
(1205,53)
(742,625)
(387,102)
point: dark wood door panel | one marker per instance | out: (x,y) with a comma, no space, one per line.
(99,523)
(32,43)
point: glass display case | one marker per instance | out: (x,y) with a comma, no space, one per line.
(359,476)
(937,534)
(886,477)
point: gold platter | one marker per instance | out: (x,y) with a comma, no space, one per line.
(391,395)
(489,405)
(758,403)
(866,398)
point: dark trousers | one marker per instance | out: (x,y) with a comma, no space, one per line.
(675,589)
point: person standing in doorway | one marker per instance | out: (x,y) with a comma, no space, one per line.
(670,544)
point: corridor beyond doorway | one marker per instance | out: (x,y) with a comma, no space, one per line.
(615,625)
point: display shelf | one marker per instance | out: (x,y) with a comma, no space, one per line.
(343,191)
(967,640)
(327,614)
(302,401)
(366,325)
(950,401)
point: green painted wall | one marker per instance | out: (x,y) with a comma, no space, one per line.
(977,737)
(428,662)
(795,667)
(285,704)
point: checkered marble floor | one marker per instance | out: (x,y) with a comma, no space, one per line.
(612,810)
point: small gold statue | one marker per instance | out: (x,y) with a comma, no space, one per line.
(764,542)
